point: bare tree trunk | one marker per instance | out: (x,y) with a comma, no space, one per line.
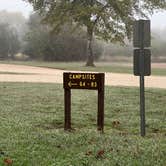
(90,56)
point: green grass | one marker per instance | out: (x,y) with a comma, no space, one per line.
(100,66)
(31,127)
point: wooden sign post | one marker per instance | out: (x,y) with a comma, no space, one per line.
(91,81)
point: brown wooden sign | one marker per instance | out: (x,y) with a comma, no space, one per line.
(82,80)
(92,81)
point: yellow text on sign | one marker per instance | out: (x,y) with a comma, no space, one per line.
(82,76)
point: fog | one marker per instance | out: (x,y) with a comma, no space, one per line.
(107,50)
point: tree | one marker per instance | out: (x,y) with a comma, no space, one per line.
(9,42)
(109,19)
(43,45)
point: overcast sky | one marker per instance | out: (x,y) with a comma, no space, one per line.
(157,21)
(16,6)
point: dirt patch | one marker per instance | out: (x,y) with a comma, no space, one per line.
(46,75)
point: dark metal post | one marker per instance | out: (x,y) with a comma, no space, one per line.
(67,125)
(100,113)
(142,61)
(142,85)
(142,105)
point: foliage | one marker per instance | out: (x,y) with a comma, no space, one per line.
(109,19)
(113,18)
(9,42)
(41,44)
(31,127)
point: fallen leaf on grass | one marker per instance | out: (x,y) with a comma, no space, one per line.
(115,123)
(100,154)
(111,150)
(88,153)
(8,161)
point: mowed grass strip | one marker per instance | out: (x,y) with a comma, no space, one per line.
(32,134)
(120,67)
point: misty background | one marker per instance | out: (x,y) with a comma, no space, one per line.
(24,37)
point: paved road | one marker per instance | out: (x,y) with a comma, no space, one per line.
(21,73)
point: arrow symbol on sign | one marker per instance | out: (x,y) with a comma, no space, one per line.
(70,84)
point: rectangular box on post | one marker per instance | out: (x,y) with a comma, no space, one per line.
(146,58)
(141,33)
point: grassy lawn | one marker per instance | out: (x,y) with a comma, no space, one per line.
(31,127)
(100,66)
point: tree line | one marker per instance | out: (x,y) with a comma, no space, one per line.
(38,41)
(43,44)
(70,30)
(111,20)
